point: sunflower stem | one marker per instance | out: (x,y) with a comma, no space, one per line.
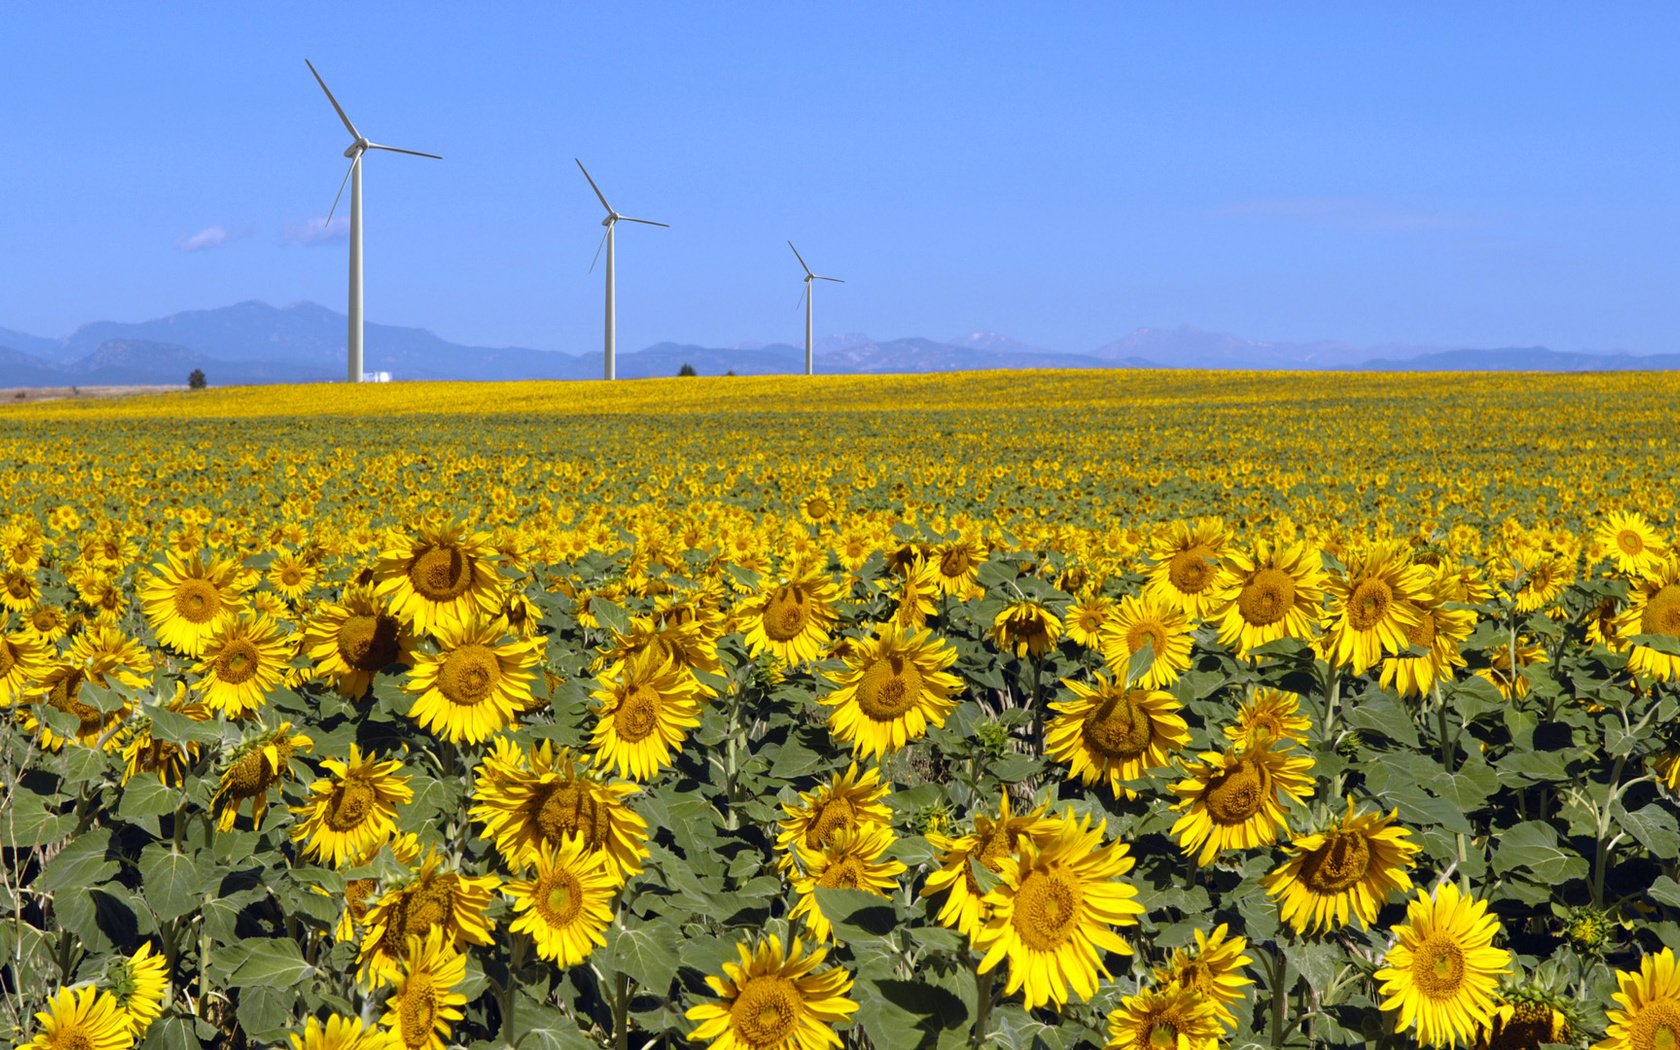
(1447,747)
(985,984)
(1280,994)
(621,1011)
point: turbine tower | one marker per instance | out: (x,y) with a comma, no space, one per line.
(607,239)
(809,277)
(354,177)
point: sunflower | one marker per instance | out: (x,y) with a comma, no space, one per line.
(1512,686)
(141,987)
(1026,628)
(46,624)
(646,709)
(1053,913)
(1172,1017)
(819,506)
(1270,714)
(170,762)
(1111,733)
(1162,625)
(918,590)
(1353,867)
(1213,970)
(184,599)
(433,901)
(527,799)
(258,765)
(356,638)
(19,590)
(851,860)
(772,1001)
(849,800)
(1442,974)
(1187,569)
(1539,575)
(1086,616)
(440,577)
(473,687)
(1374,607)
(1235,799)
(104,658)
(1524,1022)
(1649,1001)
(291,575)
(894,687)
(1630,543)
(424,1000)
(964,908)
(404,849)
(244,658)
(792,619)
(1268,593)
(956,564)
(354,812)
(344,1033)
(1654,609)
(81,1019)
(23,661)
(567,902)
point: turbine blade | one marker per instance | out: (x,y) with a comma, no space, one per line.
(351,127)
(598,247)
(410,152)
(836,280)
(802,292)
(594,187)
(645,222)
(341,183)
(801,259)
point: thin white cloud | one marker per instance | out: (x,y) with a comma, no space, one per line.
(204,240)
(316,230)
(1349,213)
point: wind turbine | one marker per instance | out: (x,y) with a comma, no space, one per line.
(607,239)
(809,277)
(354,177)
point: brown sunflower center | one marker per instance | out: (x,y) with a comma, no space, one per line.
(1046,911)
(72,1036)
(1237,794)
(818,508)
(441,574)
(1662,613)
(8,658)
(833,815)
(44,618)
(469,674)
(356,893)
(238,662)
(786,613)
(570,809)
(954,563)
(766,1011)
(890,686)
(424,905)
(638,713)
(1532,1024)
(1190,571)
(1338,864)
(291,575)
(1267,597)
(846,874)
(1630,541)
(18,585)
(559,897)
(368,641)
(1147,631)
(1163,1035)
(248,775)
(1118,728)
(996,843)
(352,802)
(1422,636)
(196,601)
(1656,1026)
(1367,603)
(1438,967)
(417,1010)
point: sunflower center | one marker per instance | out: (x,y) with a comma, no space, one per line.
(1367,604)
(1238,793)
(1438,967)
(428,904)
(1630,541)
(890,687)
(1190,571)
(638,713)
(368,641)
(248,775)
(1656,1026)
(7,659)
(1267,597)
(786,613)
(559,898)
(1147,631)
(237,662)
(196,601)
(352,801)
(817,507)
(1341,862)
(766,1011)
(356,893)
(1662,613)
(569,809)
(953,562)
(17,585)
(44,618)
(1163,1035)
(846,873)
(996,842)
(291,576)
(72,1037)
(469,675)
(418,1012)
(1046,909)
(1118,728)
(833,815)
(1423,635)
(440,574)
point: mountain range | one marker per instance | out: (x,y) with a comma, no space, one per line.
(253,342)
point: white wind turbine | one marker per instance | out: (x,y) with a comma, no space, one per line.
(607,238)
(354,177)
(809,277)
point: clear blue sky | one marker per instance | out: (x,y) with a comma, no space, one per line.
(1445,174)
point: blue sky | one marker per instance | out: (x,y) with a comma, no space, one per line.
(1432,174)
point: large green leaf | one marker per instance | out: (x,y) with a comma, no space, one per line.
(171,880)
(647,951)
(274,963)
(1532,849)
(80,865)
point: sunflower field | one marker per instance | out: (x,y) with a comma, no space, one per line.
(1132,710)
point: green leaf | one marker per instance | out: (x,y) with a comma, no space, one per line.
(171,1033)
(1140,662)
(175,728)
(1317,961)
(1385,716)
(265,1011)
(856,915)
(906,1015)
(30,822)
(80,865)
(544,1028)
(147,796)
(611,615)
(172,882)
(274,963)
(1653,827)
(1533,848)
(646,951)
(1665,891)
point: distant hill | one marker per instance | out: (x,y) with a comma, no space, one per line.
(253,342)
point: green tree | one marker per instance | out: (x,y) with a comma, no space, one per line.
(196,380)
